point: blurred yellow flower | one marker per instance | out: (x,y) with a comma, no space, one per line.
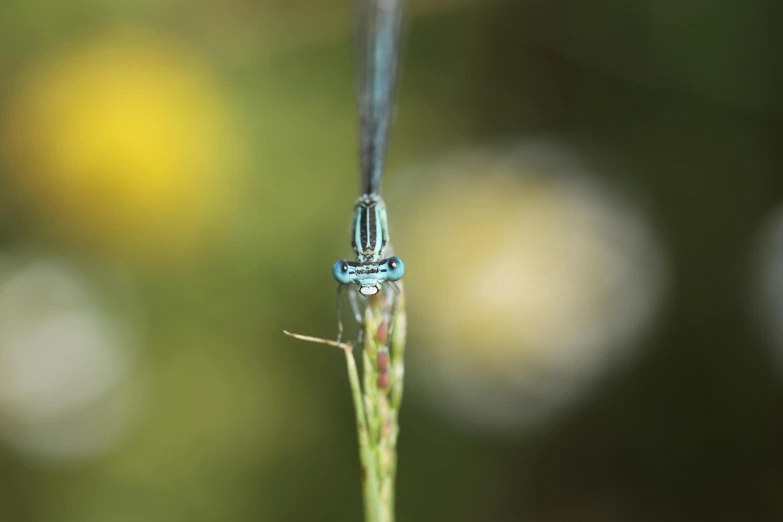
(123,142)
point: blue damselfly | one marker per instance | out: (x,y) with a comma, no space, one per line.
(378,50)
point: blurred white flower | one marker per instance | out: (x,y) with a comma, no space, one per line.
(526,280)
(63,364)
(767,295)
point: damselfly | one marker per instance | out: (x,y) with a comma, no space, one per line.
(378,51)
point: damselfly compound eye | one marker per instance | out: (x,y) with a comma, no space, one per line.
(341,273)
(395,268)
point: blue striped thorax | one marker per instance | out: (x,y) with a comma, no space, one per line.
(370,233)
(369,238)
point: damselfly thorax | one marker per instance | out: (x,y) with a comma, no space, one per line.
(370,237)
(370,233)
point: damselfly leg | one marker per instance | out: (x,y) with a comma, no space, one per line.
(356,309)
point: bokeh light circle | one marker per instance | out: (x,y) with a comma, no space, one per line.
(125,142)
(527,279)
(64,365)
(767,292)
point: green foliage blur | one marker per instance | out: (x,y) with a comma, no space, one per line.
(228,419)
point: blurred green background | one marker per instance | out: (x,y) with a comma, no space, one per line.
(586,195)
